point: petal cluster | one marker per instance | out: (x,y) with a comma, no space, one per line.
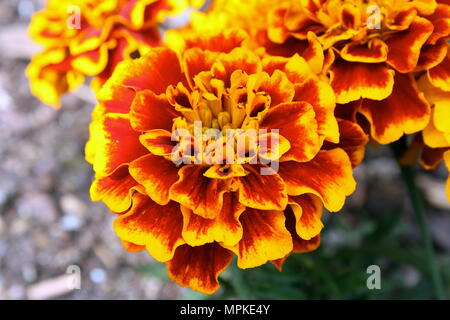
(195,210)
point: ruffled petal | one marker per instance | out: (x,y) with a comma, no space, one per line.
(150,111)
(156,227)
(308,213)
(405,46)
(265,238)
(262,190)
(238,59)
(197,60)
(131,247)
(204,196)
(405,111)
(299,245)
(328,175)
(374,51)
(352,81)
(296,122)
(156,175)
(309,88)
(155,71)
(198,268)
(447,162)
(440,75)
(115,190)
(279,88)
(226,228)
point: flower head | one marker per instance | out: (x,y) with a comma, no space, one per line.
(88,38)
(211,154)
(372,50)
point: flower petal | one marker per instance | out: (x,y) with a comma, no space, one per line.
(259,191)
(299,245)
(197,60)
(296,122)
(158,141)
(374,51)
(155,71)
(115,190)
(279,88)
(440,75)
(353,80)
(238,59)
(150,111)
(131,247)
(199,267)
(328,175)
(405,111)
(405,46)
(447,162)
(156,174)
(308,213)
(322,98)
(225,229)
(116,143)
(156,227)
(202,195)
(265,238)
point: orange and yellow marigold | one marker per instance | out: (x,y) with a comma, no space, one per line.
(195,214)
(89,37)
(373,51)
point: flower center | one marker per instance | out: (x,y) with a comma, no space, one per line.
(220,122)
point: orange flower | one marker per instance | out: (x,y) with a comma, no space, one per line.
(372,50)
(88,38)
(190,205)
(379,48)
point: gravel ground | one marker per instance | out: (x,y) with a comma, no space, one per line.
(47,221)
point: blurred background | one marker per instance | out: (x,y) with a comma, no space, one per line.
(48,223)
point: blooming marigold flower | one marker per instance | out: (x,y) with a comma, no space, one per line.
(192,206)
(372,50)
(89,37)
(378,48)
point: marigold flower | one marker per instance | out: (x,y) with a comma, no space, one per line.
(379,48)
(185,205)
(89,37)
(372,50)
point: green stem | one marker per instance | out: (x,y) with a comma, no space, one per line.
(409,177)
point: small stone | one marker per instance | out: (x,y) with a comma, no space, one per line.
(70,204)
(39,206)
(97,275)
(71,222)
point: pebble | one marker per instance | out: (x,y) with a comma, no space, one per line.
(71,222)
(97,275)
